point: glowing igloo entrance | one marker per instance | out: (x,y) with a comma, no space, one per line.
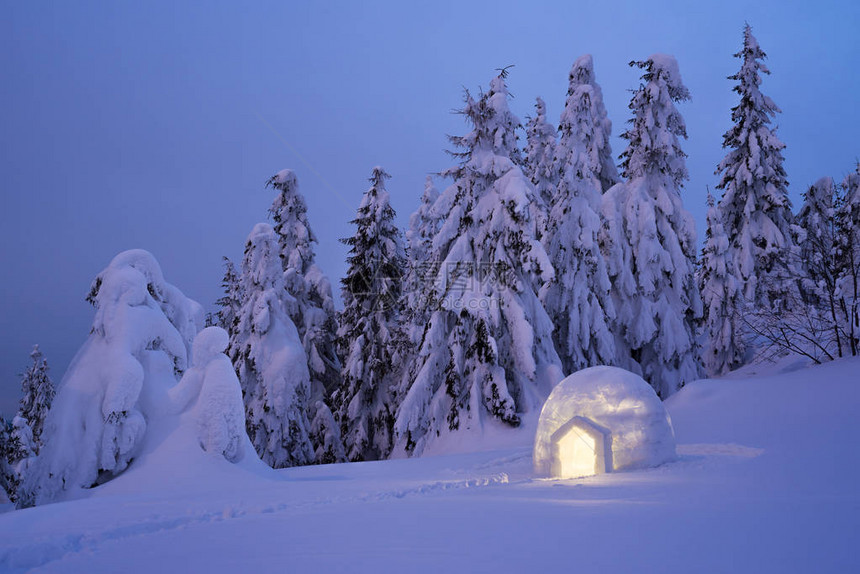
(581,448)
(602,419)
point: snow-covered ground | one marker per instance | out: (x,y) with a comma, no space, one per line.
(766,481)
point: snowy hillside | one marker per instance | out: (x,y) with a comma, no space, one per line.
(766,481)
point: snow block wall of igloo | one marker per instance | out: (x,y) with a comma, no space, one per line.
(607,413)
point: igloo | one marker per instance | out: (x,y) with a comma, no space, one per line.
(602,419)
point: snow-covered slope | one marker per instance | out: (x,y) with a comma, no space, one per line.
(766,481)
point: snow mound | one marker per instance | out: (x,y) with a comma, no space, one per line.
(219,411)
(138,385)
(608,414)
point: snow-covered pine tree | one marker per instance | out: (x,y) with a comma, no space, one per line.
(313,312)
(577,299)
(755,203)
(848,256)
(538,163)
(23,440)
(657,299)
(721,295)
(423,224)
(421,268)
(271,362)
(487,351)
(372,292)
(227,316)
(585,120)
(38,395)
(816,222)
(8,452)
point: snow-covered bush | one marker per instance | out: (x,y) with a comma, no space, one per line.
(138,348)
(848,255)
(815,318)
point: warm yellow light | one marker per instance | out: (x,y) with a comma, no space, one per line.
(576,453)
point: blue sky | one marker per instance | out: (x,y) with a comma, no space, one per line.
(155,125)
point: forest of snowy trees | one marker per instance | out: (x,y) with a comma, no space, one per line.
(537,259)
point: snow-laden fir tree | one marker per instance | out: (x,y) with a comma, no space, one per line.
(423,224)
(9,453)
(227,316)
(313,312)
(816,242)
(421,271)
(372,292)
(271,362)
(24,437)
(38,395)
(721,298)
(17,451)
(578,298)
(585,120)
(423,227)
(487,354)
(657,299)
(755,204)
(848,255)
(538,163)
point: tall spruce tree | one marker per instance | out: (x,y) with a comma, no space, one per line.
(23,438)
(538,164)
(9,454)
(423,227)
(38,394)
(312,313)
(721,295)
(755,204)
(585,120)
(657,299)
(270,359)
(487,351)
(816,242)
(577,298)
(372,292)
(227,316)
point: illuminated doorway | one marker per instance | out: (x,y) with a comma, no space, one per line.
(581,448)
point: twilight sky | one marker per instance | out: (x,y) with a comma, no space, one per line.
(155,125)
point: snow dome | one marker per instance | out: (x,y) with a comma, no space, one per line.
(602,419)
